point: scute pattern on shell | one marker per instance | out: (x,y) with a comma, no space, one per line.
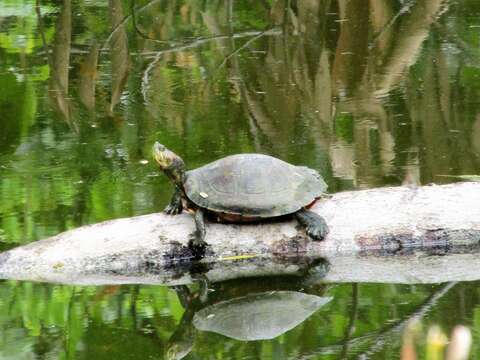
(253,185)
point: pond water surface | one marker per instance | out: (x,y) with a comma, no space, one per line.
(369,93)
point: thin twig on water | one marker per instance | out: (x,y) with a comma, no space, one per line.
(194,44)
(381,337)
(124,21)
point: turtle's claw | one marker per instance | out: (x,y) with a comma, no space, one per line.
(175,206)
(173,209)
(315,225)
(317,231)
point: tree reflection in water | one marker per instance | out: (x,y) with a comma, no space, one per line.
(370,93)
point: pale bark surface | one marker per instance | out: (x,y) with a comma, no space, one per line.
(377,235)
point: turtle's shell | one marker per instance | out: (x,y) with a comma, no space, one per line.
(253,185)
(258,316)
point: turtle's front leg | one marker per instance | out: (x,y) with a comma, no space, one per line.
(197,239)
(175,207)
(314,224)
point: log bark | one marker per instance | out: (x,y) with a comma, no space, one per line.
(376,235)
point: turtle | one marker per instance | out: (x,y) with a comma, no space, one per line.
(242,188)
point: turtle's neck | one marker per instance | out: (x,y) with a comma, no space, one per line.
(176,174)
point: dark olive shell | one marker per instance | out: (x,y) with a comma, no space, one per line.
(253,185)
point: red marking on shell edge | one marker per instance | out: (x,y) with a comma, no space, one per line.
(311,204)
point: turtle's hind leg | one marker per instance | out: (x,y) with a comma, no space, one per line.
(175,206)
(314,224)
(197,239)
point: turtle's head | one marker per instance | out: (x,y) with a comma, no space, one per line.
(169,162)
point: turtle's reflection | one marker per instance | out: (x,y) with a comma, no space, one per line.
(248,309)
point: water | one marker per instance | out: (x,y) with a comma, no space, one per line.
(370,94)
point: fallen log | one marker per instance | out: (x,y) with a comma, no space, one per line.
(376,235)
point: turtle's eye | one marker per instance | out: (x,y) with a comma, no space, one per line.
(158,147)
